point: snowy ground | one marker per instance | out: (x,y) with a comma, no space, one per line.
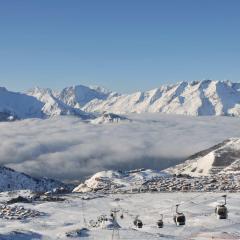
(62,217)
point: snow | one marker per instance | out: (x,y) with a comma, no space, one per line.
(78,96)
(202,98)
(209,97)
(73,214)
(222,158)
(19,105)
(127,179)
(53,106)
(11,180)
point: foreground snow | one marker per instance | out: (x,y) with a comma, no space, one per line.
(68,216)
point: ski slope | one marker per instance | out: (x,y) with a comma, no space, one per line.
(70,215)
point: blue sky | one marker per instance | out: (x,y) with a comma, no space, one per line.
(125,45)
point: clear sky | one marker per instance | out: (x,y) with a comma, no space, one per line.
(124,45)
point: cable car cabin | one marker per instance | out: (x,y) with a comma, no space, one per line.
(179,218)
(221,210)
(138,223)
(160,222)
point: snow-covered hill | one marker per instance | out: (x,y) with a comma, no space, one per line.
(221,158)
(11,180)
(118,179)
(198,98)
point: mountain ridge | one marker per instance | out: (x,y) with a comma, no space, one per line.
(197,98)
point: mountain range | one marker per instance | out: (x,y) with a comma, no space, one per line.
(197,98)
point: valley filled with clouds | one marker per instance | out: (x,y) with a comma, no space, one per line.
(68,148)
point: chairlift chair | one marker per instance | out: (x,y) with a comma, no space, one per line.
(221,210)
(179,218)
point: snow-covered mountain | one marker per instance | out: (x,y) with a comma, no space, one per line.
(118,179)
(221,158)
(78,96)
(198,98)
(11,180)
(19,105)
(53,106)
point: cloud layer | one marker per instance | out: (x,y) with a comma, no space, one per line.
(68,149)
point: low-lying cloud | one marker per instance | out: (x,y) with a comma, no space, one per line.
(68,149)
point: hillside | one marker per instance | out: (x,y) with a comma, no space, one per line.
(221,158)
(19,105)
(118,179)
(11,180)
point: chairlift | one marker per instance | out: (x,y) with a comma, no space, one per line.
(160,222)
(137,222)
(221,210)
(179,218)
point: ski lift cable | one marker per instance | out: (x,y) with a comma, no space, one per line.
(170,209)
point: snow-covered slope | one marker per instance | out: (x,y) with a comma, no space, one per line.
(78,96)
(12,180)
(117,179)
(19,105)
(221,158)
(53,106)
(197,98)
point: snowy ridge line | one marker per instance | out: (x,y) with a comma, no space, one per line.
(197,98)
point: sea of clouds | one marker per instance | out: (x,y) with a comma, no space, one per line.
(68,149)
